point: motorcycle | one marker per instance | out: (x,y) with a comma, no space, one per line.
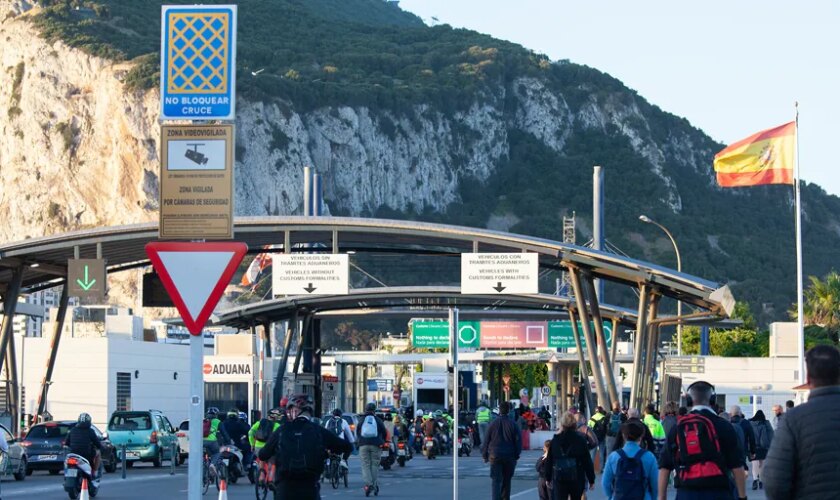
(418,441)
(429,447)
(230,468)
(465,440)
(76,470)
(403,453)
(387,459)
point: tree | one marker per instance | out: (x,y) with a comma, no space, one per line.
(822,304)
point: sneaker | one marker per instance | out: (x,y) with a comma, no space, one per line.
(367,490)
(755,484)
(376,490)
(761,485)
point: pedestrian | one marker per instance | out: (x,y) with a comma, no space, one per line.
(737,418)
(682,411)
(544,480)
(669,416)
(655,428)
(299,448)
(763,438)
(777,416)
(371,435)
(803,457)
(569,462)
(702,471)
(502,450)
(586,431)
(788,405)
(598,424)
(483,415)
(615,419)
(631,472)
(647,440)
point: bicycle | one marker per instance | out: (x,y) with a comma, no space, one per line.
(333,470)
(208,474)
(265,480)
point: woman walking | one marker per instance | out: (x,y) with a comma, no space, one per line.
(568,462)
(763,437)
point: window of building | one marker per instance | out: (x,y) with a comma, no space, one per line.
(123,391)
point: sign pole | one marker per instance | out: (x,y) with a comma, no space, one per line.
(196,415)
(453,347)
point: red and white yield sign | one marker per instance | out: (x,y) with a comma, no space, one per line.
(195,275)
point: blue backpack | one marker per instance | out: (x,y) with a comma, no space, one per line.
(629,482)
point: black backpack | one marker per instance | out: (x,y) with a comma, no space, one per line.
(301,454)
(699,461)
(565,467)
(629,482)
(336,426)
(263,431)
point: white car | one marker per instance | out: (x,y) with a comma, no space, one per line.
(183,435)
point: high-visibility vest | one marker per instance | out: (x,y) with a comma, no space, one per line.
(655,426)
(483,416)
(595,419)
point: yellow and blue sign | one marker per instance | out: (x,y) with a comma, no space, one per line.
(198,62)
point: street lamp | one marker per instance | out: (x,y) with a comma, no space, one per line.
(648,220)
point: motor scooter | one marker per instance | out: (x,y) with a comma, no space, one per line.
(429,447)
(76,470)
(387,457)
(230,467)
(465,442)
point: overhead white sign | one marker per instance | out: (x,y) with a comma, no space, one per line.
(310,274)
(496,273)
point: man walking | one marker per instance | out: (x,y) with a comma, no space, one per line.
(737,418)
(777,416)
(502,450)
(371,435)
(598,424)
(614,421)
(703,449)
(482,418)
(803,457)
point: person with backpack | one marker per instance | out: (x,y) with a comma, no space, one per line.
(647,440)
(263,429)
(299,449)
(544,479)
(586,431)
(502,451)
(338,426)
(737,418)
(568,462)
(214,434)
(703,449)
(598,424)
(371,435)
(631,472)
(614,420)
(763,438)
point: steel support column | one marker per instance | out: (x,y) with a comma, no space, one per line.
(13,391)
(291,328)
(580,298)
(613,347)
(581,360)
(315,336)
(10,300)
(606,360)
(652,349)
(56,339)
(303,334)
(638,354)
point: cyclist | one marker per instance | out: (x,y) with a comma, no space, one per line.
(338,426)
(299,449)
(214,435)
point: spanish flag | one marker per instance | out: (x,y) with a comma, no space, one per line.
(762,158)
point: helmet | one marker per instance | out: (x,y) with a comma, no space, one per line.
(233,413)
(397,419)
(275,414)
(243,415)
(212,412)
(438,413)
(426,417)
(84,418)
(337,412)
(370,407)
(420,413)
(302,402)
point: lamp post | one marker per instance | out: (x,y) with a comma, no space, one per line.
(648,220)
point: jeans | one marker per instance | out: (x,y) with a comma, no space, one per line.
(501,470)
(602,447)
(370,456)
(214,450)
(482,431)
(297,490)
(567,490)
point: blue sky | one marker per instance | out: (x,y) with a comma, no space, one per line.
(731,68)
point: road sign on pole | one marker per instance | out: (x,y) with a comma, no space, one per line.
(310,274)
(196,182)
(494,273)
(198,62)
(87,279)
(195,275)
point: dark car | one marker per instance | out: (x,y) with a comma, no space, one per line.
(44,444)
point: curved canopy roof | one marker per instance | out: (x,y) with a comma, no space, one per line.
(44,259)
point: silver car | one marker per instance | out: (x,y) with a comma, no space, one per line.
(13,462)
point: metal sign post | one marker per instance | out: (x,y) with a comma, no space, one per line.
(196,415)
(453,348)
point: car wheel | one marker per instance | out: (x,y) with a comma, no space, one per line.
(20,475)
(112,466)
(157,462)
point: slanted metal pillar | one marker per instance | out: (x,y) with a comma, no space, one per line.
(638,354)
(581,360)
(652,343)
(606,360)
(315,336)
(580,299)
(614,345)
(13,393)
(302,338)
(291,328)
(10,300)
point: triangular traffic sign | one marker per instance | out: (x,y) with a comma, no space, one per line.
(195,275)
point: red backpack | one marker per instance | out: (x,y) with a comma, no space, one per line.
(698,458)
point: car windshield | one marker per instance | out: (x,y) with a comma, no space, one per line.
(130,422)
(48,431)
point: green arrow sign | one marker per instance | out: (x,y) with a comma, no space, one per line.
(87,283)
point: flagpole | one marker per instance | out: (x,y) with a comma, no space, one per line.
(800,315)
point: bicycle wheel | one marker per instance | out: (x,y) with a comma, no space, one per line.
(334,473)
(205,479)
(261,486)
